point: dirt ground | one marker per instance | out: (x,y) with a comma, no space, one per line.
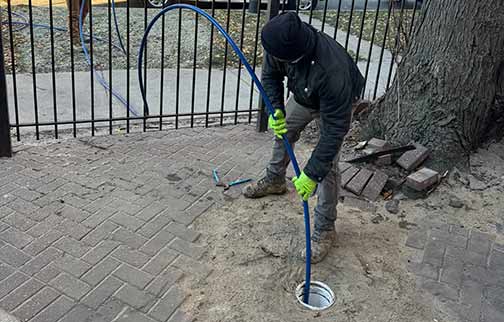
(253,247)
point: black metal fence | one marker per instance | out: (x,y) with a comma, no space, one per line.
(57,86)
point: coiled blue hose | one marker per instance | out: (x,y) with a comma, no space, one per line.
(271,111)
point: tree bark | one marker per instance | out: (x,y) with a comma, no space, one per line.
(448,82)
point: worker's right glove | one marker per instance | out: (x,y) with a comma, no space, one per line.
(278,124)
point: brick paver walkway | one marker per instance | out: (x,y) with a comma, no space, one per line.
(463,269)
(98,229)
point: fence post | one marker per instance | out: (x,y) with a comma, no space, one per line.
(262,116)
(5,139)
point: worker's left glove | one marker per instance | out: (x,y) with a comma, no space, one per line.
(278,124)
(305,186)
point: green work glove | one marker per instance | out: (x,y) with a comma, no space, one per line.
(278,124)
(305,186)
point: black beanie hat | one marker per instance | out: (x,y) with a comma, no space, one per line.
(288,38)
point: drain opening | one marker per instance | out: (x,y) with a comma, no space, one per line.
(321,296)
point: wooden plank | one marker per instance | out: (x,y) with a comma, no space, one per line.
(358,182)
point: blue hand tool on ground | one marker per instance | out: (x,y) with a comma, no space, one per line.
(220,183)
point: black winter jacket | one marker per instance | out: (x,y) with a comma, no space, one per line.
(327,80)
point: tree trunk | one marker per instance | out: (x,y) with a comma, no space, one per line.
(446,87)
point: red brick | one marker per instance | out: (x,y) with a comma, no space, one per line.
(357,184)
(348,175)
(375,185)
(410,160)
(422,179)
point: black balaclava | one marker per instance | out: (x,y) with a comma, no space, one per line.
(287,38)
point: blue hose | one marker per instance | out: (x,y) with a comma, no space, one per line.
(24,24)
(271,111)
(117,27)
(101,80)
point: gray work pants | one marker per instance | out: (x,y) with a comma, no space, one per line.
(297,118)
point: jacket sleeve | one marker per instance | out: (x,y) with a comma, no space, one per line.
(273,82)
(335,117)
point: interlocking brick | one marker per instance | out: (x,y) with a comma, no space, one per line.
(343,166)
(26,194)
(72,265)
(11,283)
(72,246)
(21,294)
(136,298)
(48,273)
(471,294)
(438,289)
(181,231)
(187,248)
(157,242)
(452,271)
(16,238)
(81,313)
(422,179)
(23,206)
(424,270)
(417,239)
(133,276)
(130,256)
(479,246)
(375,185)
(99,272)
(155,225)
(168,304)
(21,222)
(134,316)
(13,256)
(434,252)
(70,285)
(164,281)
(102,292)
(5,271)
(73,229)
(100,233)
(187,216)
(348,175)
(100,251)
(51,313)
(38,245)
(37,263)
(359,181)
(459,230)
(129,238)
(127,221)
(49,223)
(111,309)
(159,262)
(481,275)
(410,160)
(151,211)
(98,217)
(497,260)
(490,313)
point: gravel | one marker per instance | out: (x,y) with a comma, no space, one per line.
(154,59)
(101,60)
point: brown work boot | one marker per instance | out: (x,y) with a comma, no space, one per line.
(321,243)
(265,187)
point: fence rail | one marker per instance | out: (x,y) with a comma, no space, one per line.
(58,87)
